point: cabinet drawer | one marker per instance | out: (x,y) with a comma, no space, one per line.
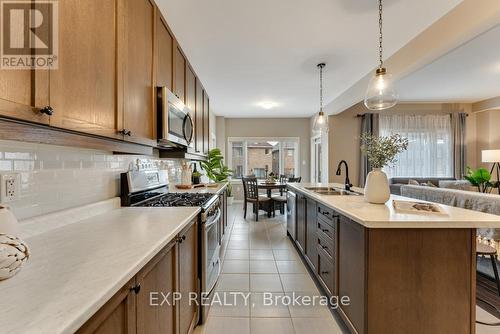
(326,270)
(326,230)
(326,245)
(329,215)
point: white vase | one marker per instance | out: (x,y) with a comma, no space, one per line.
(377,187)
(8,222)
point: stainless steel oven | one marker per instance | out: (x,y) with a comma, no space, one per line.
(210,251)
(175,125)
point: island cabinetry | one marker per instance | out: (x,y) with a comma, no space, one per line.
(140,306)
(300,238)
(311,234)
(352,272)
(398,280)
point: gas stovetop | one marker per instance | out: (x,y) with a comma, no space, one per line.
(150,188)
(179,199)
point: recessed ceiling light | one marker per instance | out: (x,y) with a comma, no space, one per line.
(267,105)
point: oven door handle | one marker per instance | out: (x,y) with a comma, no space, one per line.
(214,220)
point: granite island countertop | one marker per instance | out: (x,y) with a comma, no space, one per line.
(77,268)
(385,216)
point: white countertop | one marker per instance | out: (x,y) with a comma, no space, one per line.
(384,215)
(217,188)
(76,268)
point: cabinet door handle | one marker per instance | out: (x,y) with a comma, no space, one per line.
(125,132)
(47,110)
(324,272)
(136,288)
(325,230)
(324,247)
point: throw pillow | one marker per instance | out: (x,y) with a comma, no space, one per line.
(430,184)
(413,182)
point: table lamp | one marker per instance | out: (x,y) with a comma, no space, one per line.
(492,156)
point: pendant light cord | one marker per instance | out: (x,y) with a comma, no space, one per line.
(380,38)
(321,87)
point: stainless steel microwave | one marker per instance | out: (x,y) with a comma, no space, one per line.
(175,125)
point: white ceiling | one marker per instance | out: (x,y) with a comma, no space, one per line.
(249,52)
(470,73)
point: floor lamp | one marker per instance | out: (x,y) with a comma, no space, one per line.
(492,156)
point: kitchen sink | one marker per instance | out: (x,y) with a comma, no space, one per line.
(332,191)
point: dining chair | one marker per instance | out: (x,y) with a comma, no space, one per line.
(295,179)
(251,195)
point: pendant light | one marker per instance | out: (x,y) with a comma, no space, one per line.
(381,94)
(321,121)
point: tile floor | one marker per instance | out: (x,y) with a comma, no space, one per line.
(260,260)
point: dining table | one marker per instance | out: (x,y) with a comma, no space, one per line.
(270,186)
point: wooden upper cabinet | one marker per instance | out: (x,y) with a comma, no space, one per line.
(188,278)
(17,96)
(179,73)
(24,92)
(117,316)
(199,117)
(156,278)
(165,40)
(206,123)
(191,98)
(137,51)
(83,89)
(190,89)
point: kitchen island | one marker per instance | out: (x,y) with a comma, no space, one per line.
(403,273)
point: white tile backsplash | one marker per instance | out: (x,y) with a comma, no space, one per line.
(56,178)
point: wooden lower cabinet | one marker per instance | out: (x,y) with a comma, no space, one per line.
(188,278)
(158,277)
(140,307)
(117,316)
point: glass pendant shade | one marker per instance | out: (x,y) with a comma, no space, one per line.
(381,93)
(321,123)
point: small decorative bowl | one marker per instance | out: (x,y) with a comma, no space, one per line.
(13,254)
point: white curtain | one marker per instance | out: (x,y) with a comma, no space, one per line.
(430,149)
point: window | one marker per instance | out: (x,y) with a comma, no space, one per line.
(262,156)
(237,159)
(430,152)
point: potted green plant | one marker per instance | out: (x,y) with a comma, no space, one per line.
(214,167)
(381,152)
(481,179)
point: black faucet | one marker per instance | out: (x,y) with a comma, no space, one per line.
(348,184)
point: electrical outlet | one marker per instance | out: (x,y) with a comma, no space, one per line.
(10,187)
